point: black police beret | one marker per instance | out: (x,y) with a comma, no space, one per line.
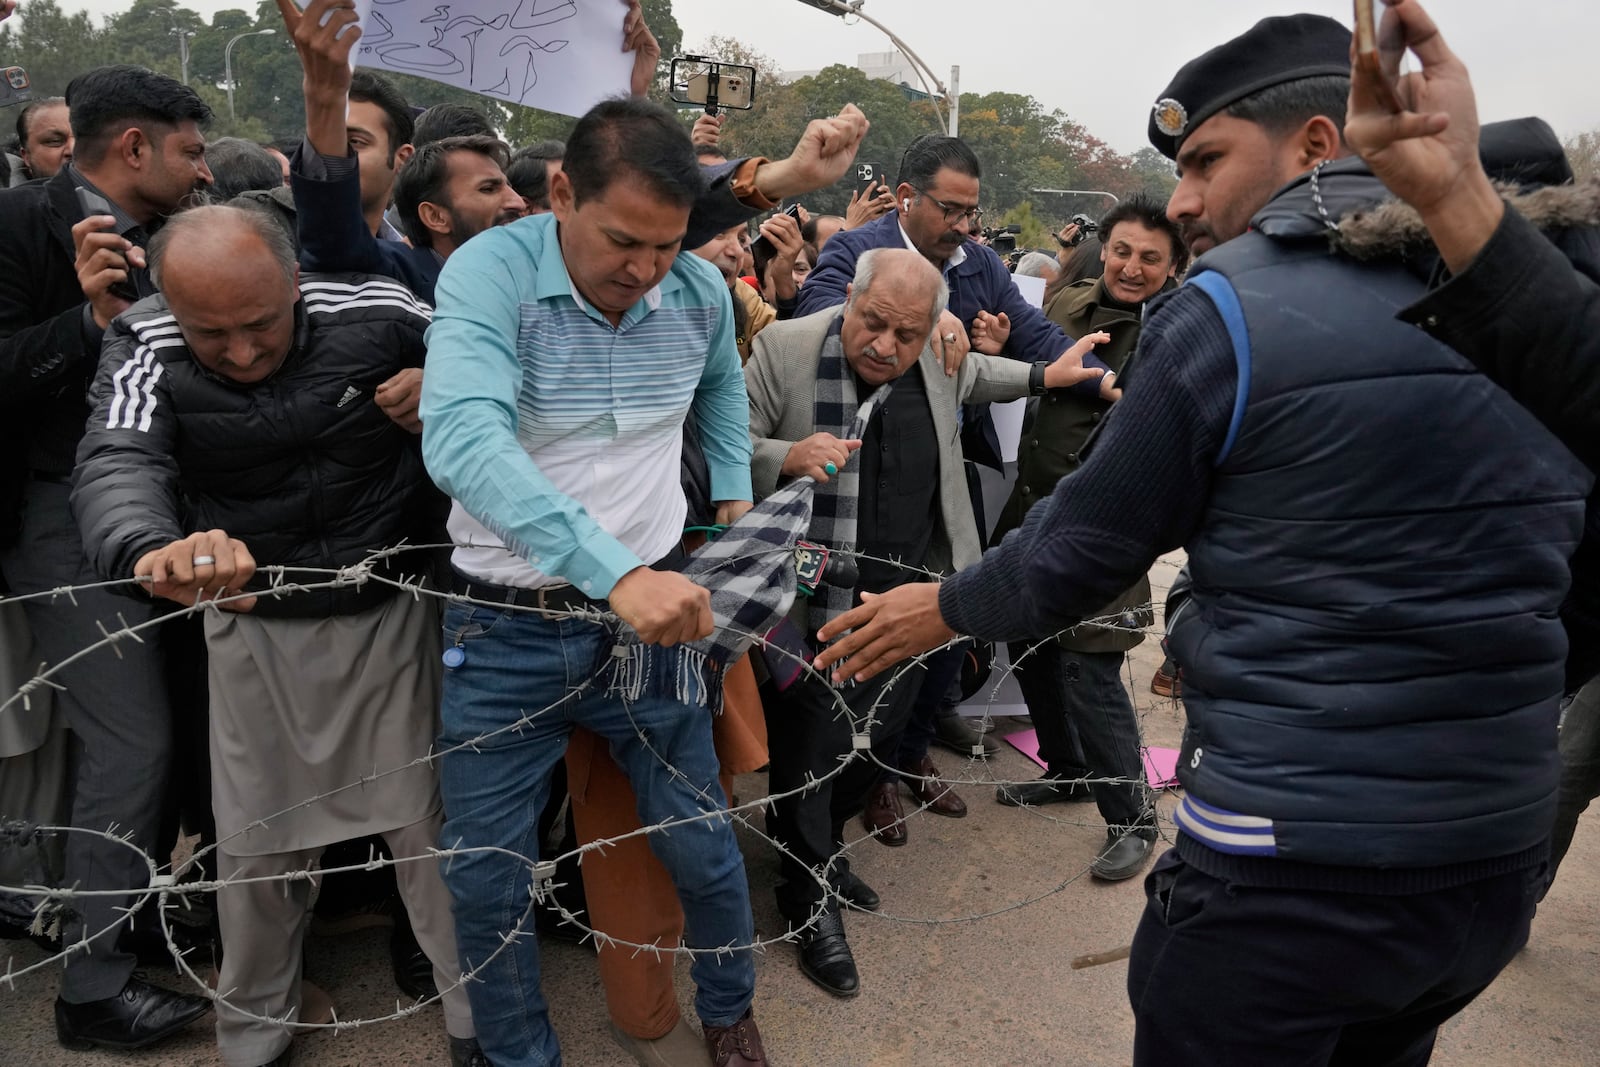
(1273,51)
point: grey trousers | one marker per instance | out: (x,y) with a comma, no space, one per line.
(116,706)
(263,935)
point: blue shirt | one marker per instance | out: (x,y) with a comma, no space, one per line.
(558,435)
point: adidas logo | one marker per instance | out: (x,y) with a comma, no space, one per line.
(349,394)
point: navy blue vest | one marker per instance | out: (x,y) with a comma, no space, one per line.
(1372,658)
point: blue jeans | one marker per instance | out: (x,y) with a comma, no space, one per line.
(516,665)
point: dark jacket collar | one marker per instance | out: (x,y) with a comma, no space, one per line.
(1309,205)
(62,210)
(1086,295)
(885,232)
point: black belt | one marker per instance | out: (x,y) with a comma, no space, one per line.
(550,597)
(547,598)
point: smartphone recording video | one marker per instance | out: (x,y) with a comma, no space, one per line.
(1380,50)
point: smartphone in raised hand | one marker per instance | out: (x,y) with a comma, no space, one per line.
(793,211)
(869,175)
(95,204)
(1379,50)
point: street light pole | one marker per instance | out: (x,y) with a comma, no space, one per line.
(930,81)
(183,53)
(227,62)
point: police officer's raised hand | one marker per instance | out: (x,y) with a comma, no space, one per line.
(815,454)
(104,260)
(663,607)
(208,565)
(1427,154)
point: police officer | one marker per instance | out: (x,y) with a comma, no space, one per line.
(1372,657)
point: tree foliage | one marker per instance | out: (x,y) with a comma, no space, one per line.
(1022,146)
(1583,152)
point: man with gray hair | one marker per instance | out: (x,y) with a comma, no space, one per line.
(897,493)
(234,418)
(239,166)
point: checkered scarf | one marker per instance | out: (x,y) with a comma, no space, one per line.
(833,519)
(750,569)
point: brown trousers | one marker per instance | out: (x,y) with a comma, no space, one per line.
(630,895)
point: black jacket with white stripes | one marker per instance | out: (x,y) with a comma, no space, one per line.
(303,467)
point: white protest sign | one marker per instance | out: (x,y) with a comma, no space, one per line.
(1008,417)
(558,55)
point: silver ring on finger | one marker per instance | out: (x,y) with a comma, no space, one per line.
(205,561)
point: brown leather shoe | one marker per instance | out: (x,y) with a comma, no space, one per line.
(1163,684)
(738,1045)
(933,794)
(883,817)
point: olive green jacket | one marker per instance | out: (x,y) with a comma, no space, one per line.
(1050,447)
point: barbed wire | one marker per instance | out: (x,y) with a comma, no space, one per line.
(49,903)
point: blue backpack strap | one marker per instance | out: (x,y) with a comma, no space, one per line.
(1218,288)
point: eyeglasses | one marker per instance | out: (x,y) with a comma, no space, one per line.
(953,212)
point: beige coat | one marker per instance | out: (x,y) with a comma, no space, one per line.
(781,378)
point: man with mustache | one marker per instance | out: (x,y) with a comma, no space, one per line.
(1372,656)
(937,215)
(1087,726)
(73,266)
(240,406)
(898,493)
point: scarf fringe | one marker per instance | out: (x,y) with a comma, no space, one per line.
(683,674)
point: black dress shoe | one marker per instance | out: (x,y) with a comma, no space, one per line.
(1050,789)
(149,945)
(1124,855)
(413,970)
(140,1015)
(856,893)
(466,1052)
(825,955)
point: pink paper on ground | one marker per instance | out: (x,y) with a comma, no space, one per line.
(1161,767)
(1160,764)
(1025,742)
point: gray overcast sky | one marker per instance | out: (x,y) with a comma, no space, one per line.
(1104,63)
